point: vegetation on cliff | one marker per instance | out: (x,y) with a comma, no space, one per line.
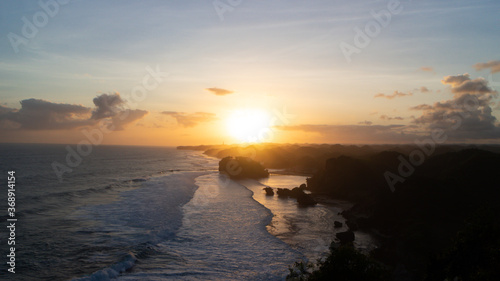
(242,167)
(426,211)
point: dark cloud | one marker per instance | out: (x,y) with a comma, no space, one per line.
(478,85)
(5,109)
(37,114)
(107,105)
(5,122)
(494,66)
(468,115)
(368,123)
(189,120)
(396,94)
(219,91)
(113,106)
(455,79)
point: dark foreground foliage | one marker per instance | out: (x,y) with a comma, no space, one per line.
(344,263)
(432,225)
(475,252)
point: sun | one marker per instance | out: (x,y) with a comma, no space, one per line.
(249,125)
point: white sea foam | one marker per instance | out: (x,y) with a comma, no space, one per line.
(223,237)
(111,272)
(143,216)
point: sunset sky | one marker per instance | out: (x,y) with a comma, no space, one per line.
(208,72)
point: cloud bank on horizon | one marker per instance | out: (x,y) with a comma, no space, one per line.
(467,116)
(37,114)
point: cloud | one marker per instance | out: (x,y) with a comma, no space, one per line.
(357,133)
(112,106)
(37,114)
(189,120)
(427,68)
(467,115)
(396,94)
(421,107)
(424,89)
(4,109)
(388,118)
(494,66)
(455,80)
(125,117)
(5,122)
(107,105)
(462,84)
(219,91)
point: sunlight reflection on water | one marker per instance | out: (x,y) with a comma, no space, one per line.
(309,230)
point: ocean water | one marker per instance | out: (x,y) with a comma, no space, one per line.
(309,230)
(150,213)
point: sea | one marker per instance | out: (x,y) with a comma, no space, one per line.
(149,213)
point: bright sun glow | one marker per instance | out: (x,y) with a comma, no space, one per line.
(249,125)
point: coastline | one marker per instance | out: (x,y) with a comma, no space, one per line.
(287,172)
(309,230)
(365,241)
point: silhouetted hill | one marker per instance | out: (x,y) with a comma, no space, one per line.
(242,167)
(423,215)
(355,179)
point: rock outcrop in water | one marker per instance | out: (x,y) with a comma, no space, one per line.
(303,198)
(283,192)
(269,191)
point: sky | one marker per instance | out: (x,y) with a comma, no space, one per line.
(237,71)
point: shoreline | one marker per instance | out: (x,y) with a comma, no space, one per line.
(283,224)
(288,229)
(286,172)
(309,230)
